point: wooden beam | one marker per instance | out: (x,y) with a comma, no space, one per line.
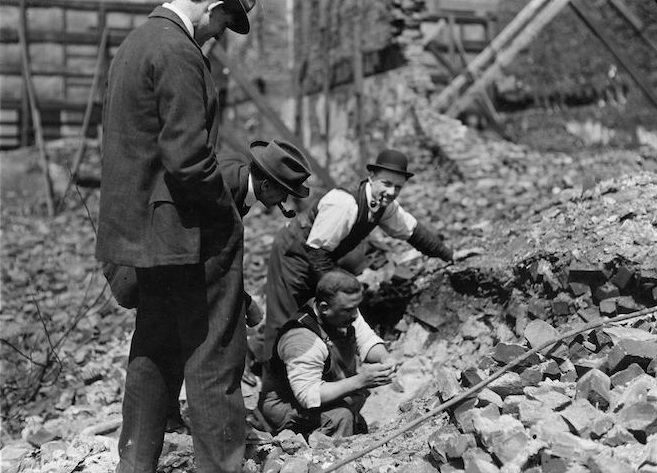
(17,70)
(325,47)
(86,121)
(623,59)
(269,113)
(86,5)
(36,117)
(358,84)
(451,92)
(86,38)
(506,55)
(635,22)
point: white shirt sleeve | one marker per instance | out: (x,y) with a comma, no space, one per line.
(397,223)
(304,355)
(336,216)
(366,338)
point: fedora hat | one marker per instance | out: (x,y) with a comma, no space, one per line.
(284,163)
(391,160)
(240,8)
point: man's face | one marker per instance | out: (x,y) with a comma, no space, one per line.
(342,310)
(386,186)
(213,23)
(271,194)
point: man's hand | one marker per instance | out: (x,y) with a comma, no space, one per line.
(376,374)
(460,255)
(254,314)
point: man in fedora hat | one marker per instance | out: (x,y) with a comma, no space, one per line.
(166,211)
(314,241)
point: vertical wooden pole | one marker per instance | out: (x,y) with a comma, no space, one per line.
(357,29)
(36,116)
(452,31)
(326,49)
(301,43)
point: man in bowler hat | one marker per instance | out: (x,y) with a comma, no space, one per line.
(166,211)
(314,241)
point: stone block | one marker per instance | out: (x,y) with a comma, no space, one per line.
(608,464)
(550,464)
(537,308)
(511,404)
(618,435)
(472,376)
(551,427)
(589,314)
(622,278)
(417,465)
(291,442)
(531,376)
(571,447)
(446,382)
(623,377)
(486,397)
(539,332)
(508,383)
(605,291)
(504,353)
(568,372)
(581,415)
(595,386)
(579,289)
(638,389)
(320,441)
(626,305)
(477,460)
(608,307)
(550,398)
(449,443)
(463,415)
(640,417)
(505,436)
(295,465)
(577,350)
(531,411)
(561,304)
(628,351)
(585,273)
(600,338)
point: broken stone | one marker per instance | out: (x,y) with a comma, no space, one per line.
(273,463)
(561,304)
(595,386)
(618,435)
(628,351)
(446,382)
(605,291)
(462,414)
(532,411)
(473,329)
(550,427)
(626,305)
(550,464)
(320,441)
(550,397)
(619,333)
(476,460)
(12,455)
(505,436)
(608,307)
(600,338)
(622,278)
(637,390)
(506,352)
(531,376)
(290,442)
(623,377)
(589,314)
(295,465)
(418,465)
(447,443)
(508,383)
(568,372)
(577,351)
(472,376)
(639,417)
(586,274)
(608,464)
(537,308)
(572,447)
(579,289)
(539,332)
(53,450)
(581,415)
(486,397)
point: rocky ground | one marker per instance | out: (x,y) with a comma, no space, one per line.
(567,240)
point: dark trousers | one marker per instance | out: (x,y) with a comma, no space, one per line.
(338,419)
(190,324)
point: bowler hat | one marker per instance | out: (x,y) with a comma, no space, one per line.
(240,8)
(284,163)
(391,160)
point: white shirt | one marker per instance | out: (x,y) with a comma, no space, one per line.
(304,355)
(185,19)
(337,213)
(250,198)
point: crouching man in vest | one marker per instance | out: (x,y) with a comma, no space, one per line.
(324,360)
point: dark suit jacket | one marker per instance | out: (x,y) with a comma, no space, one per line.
(163,199)
(236,168)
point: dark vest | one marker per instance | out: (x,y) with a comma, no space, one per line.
(302,225)
(338,365)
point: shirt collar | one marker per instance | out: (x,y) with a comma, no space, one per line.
(250,198)
(185,19)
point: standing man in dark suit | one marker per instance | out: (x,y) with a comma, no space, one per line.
(166,211)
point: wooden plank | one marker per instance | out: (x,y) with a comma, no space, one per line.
(506,55)
(623,59)
(85,38)
(325,47)
(269,113)
(17,70)
(451,92)
(87,5)
(635,22)
(358,84)
(86,121)
(36,117)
